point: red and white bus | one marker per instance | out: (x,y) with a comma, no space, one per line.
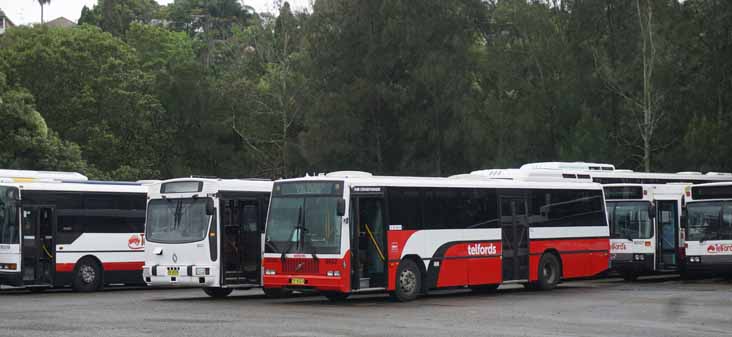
(351,232)
(79,233)
(708,226)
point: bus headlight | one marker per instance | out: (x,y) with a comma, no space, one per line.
(639,257)
(269,272)
(695,259)
(145,271)
(202,271)
(333,273)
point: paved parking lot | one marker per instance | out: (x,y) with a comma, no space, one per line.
(659,307)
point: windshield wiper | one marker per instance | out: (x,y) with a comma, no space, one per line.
(292,232)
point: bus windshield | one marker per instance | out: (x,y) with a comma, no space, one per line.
(9,233)
(709,220)
(629,220)
(303,224)
(177,220)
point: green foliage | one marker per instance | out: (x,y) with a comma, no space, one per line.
(394,87)
(27,142)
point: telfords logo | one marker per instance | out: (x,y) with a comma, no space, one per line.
(719,248)
(618,246)
(482,249)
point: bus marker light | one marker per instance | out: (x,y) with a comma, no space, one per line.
(333,273)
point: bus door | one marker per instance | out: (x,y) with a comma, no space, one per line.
(514,239)
(368,242)
(241,223)
(667,238)
(38,247)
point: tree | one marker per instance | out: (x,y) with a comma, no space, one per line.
(91,90)
(43,3)
(27,141)
(115,16)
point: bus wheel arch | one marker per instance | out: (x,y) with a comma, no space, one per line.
(88,274)
(422,270)
(550,270)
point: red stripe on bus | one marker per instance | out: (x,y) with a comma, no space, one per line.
(108,266)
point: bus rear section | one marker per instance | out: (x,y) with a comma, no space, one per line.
(708,226)
(645,231)
(206,233)
(348,233)
(82,234)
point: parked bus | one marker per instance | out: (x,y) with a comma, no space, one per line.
(645,228)
(206,233)
(351,232)
(80,233)
(600,173)
(708,225)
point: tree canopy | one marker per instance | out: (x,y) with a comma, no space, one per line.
(439,87)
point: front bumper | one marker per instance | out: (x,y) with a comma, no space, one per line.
(632,263)
(13,279)
(310,282)
(179,275)
(707,263)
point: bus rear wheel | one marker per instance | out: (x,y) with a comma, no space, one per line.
(408,281)
(87,276)
(550,272)
(217,292)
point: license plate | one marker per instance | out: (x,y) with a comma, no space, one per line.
(298,281)
(173,272)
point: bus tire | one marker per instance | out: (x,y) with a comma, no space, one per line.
(550,272)
(276,292)
(485,288)
(217,292)
(408,281)
(87,276)
(335,296)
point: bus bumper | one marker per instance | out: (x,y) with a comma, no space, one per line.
(184,276)
(714,264)
(306,282)
(13,279)
(632,263)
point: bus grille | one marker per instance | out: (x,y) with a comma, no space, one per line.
(300,266)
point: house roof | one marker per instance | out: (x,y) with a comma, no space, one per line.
(7,19)
(60,22)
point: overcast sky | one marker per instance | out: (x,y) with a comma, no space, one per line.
(28,11)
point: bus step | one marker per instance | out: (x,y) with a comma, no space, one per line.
(364,282)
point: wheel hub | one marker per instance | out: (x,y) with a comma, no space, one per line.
(408,281)
(88,275)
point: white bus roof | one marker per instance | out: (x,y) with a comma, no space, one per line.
(655,191)
(110,187)
(455,181)
(213,185)
(602,173)
(22,175)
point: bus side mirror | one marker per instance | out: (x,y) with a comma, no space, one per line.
(340,207)
(210,208)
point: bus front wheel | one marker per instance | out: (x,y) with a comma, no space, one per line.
(217,292)
(408,281)
(550,272)
(87,276)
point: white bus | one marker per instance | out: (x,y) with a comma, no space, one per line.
(206,233)
(82,234)
(645,228)
(708,225)
(600,173)
(351,232)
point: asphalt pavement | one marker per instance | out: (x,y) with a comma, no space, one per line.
(609,307)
